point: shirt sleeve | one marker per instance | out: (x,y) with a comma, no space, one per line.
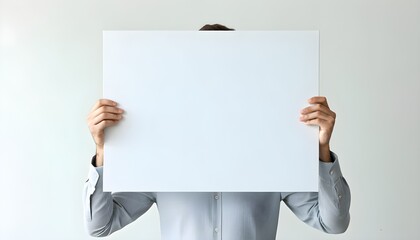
(106,212)
(328,209)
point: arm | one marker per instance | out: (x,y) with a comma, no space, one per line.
(328,209)
(107,212)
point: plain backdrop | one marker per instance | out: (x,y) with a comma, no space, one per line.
(51,74)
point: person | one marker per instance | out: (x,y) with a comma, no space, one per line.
(217,215)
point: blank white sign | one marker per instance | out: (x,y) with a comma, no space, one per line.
(211,111)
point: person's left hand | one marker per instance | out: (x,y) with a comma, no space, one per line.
(320,114)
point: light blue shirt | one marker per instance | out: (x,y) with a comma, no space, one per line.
(219,215)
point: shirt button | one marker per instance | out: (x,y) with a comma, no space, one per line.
(331,172)
(216,197)
(339,196)
(216,229)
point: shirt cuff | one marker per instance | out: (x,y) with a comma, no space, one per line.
(93,177)
(90,187)
(330,171)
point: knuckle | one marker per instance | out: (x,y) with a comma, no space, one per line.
(99,117)
(101,125)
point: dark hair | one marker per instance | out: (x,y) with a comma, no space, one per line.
(215,27)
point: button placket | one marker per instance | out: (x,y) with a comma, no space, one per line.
(217,216)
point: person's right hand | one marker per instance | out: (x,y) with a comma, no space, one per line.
(104,113)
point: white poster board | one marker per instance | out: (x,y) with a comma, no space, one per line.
(211,111)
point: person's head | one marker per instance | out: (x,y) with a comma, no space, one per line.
(215,27)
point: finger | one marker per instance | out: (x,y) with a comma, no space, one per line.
(103,102)
(317,114)
(318,99)
(106,116)
(106,123)
(317,107)
(106,109)
(316,122)
(325,122)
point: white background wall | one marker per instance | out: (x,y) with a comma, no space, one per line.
(50,75)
